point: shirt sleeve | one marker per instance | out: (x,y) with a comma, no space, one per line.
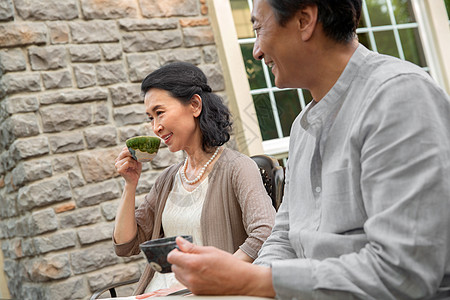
(404,138)
(258,213)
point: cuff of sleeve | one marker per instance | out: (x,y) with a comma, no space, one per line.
(124,249)
(293,278)
(248,250)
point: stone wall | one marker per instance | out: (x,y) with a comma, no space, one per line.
(70,75)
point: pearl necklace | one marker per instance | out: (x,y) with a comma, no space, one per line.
(202,171)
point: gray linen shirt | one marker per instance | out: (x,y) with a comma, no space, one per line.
(367,199)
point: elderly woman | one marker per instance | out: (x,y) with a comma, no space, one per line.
(216,195)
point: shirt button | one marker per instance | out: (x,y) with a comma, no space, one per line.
(318,189)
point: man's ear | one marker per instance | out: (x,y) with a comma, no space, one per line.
(307,21)
(196,105)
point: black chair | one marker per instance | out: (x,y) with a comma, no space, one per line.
(272,175)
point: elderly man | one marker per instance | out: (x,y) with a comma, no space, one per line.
(366,210)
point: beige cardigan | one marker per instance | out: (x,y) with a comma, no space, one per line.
(237,212)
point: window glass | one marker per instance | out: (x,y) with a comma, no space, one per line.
(378,12)
(403,11)
(386,43)
(411,45)
(447,5)
(265,115)
(241,16)
(288,106)
(253,68)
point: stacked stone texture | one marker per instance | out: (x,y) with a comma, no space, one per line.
(70,77)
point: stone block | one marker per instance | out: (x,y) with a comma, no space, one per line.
(210,54)
(62,164)
(103,136)
(73,288)
(57,80)
(112,275)
(30,147)
(6,10)
(109,9)
(130,114)
(147,24)
(12,60)
(49,268)
(166,158)
(47,9)
(167,8)
(66,142)
(31,170)
(79,217)
(146,182)
(65,117)
(12,248)
(59,32)
(110,73)
(128,132)
(43,221)
(21,83)
(98,165)
(23,125)
(94,32)
(47,58)
(95,233)
(143,41)
(215,76)
(56,241)
(8,207)
(8,159)
(93,258)
(101,113)
(198,36)
(85,75)
(125,94)
(76,179)
(191,55)
(96,193)
(44,193)
(21,34)
(74,96)
(194,22)
(21,227)
(64,207)
(85,53)
(111,51)
(109,209)
(140,65)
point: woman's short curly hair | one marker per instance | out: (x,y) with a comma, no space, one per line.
(183,80)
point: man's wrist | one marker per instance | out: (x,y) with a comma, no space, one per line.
(261,280)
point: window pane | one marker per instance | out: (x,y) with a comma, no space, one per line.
(403,11)
(412,46)
(307,95)
(386,43)
(447,5)
(364,39)
(378,12)
(253,68)
(241,16)
(288,106)
(265,117)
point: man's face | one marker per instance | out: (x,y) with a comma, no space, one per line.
(278,45)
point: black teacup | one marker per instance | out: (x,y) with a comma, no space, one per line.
(156,252)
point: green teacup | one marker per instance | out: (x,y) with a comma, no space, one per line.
(143,148)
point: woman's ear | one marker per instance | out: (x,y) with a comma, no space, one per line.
(307,21)
(196,105)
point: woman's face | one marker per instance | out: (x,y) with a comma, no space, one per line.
(173,121)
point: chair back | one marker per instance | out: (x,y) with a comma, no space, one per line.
(272,175)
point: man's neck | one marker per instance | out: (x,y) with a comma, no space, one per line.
(331,62)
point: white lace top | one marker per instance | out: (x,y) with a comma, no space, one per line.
(181,216)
